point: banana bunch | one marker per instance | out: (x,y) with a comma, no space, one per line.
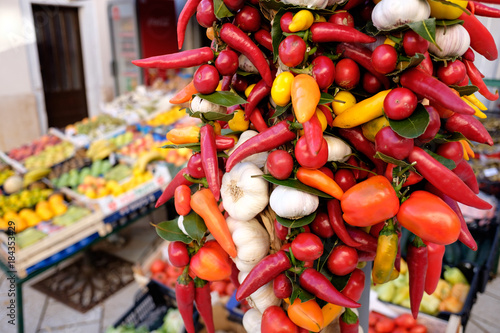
(142,162)
(100,149)
(35,175)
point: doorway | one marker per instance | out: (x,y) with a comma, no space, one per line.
(61,64)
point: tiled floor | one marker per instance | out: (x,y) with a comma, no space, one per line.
(43,314)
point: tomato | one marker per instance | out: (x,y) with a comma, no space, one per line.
(227,62)
(170,282)
(342,260)
(345,179)
(239,83)
(412,179)
(248,19)
(323,70)
(384,58)
(374,318)
(392,144)
(206,79)
(159,276)
(400,103)
(321,225)
(211,262)
(371,83)
(281,230)
(426,65)
(369,202)
(158,265)
(230,289)
(400,330)
(355,285)
(385,325)
(433,127)
(282,286)
(347,74)
(280,164)
(178,254)
(285,21)
(292,50)
(173,271)
(414,43)
(419,328)
(234,5)
(307,315)
(219,287)
(453,73)
(205,13)
(430,218)
(194,166)
(342,18)
(307,246)
(306,159)
(405,320)
(275,320)
(451,150)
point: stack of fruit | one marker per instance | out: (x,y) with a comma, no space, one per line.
(75,177)
(34,148)
(5,173)
(124,138)
(50,155)
(101,149)
(76,162)
(168,117)
(331,181)
(95,127)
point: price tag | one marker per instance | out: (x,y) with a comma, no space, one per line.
(490,172)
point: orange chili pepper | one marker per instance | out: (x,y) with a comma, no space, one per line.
(184,95)
(467,148)
(320,181)
(181,135)
(204,204)
(307,315)
(305,95)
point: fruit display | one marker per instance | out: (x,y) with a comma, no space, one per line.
(167,118)
(76,162)
(95,127)
(50,155)
(100,149)
(72,215)
(5,173)
(34,148)
(75,177)
(25,198)
(391,157)
(124,138)
(404,322)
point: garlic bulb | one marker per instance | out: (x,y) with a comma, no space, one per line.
(317,4)
(390,14)
(264,297)
(290,203)
(252,319)
(338,150)
(244,196)
(257,159)
(199,104)
(453,41)
(246,65)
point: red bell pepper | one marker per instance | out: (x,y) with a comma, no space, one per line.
(417,269)
(184,59)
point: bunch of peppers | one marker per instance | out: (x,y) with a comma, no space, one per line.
(295,75)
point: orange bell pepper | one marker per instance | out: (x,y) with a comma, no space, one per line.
(307,315)
(320,181)
(181,135)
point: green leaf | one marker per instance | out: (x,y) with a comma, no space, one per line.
(195,226)
(296,223)
(414,125)
(426,29)
(170,231)
(339,282)
(276,33)
(294,183)
(326,98)
(243,73)
(210,116)
(388,159)
(328,245)
(408,62)
(298,292)
(280,110)
(443,160)
(445,138)
(465,90)
(220,10)
(448,23)
(224,98)
(192,146)
(278,5)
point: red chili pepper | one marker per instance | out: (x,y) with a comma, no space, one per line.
(337,223)
(435,254)
(469,55)
(355,285)
(356,172)
(470,127)
(412,178)
(466,173)
(239,41)
(434,90)
(465,236)
(483,10)
(477,80)
(203,301)
(366,256)
(260,91)
(328,114)
(271,138)
(187,11)
(319,285)
(360,142)
(169,191)
(226,83)
(352,3)
(258,121)
(263,37)
(223,142)
(416,258)
(481,39)
(349,322)
(367,242)
(314,134)
(184,295)
(326,32)
(362,56)
(184,59)
(444,179)
(209,159)
(265,271)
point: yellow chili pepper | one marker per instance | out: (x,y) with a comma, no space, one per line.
(362,112)
(319,18)
(479,113)
(330,312)
(387,249)
(249,89)
(238,123)
(281,89)
(181,135)
(390,42)
(474,100)
(371,128)
(302,20)
(467,150)
(343,101)
(217,128)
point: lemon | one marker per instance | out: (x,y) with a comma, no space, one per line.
(343,101)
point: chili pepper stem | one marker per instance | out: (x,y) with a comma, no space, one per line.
(184,278)
(202,181)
